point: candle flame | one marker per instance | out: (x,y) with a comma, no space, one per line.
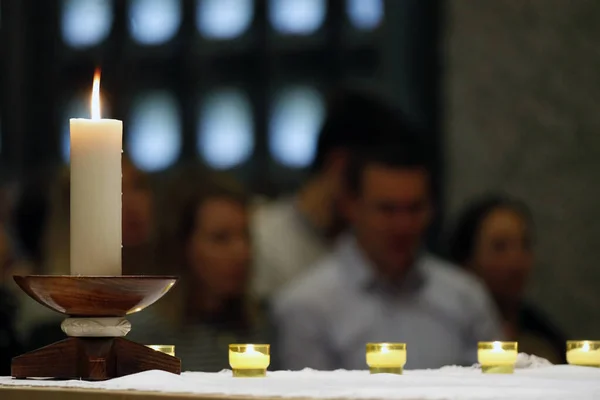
(96,95)
(497,346)
(586,346)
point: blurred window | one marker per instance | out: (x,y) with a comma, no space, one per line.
(153,22)
(365,14)
(86,23)
(297,114)
(297,17)
(154,136)
(225,134)
(224,19)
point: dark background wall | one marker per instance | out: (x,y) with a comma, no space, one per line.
(522,89)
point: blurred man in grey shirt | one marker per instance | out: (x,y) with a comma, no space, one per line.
(378,284)
(293,232)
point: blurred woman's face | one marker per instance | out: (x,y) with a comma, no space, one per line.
(503,256)
(219,247)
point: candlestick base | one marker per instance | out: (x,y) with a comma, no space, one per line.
(92,359)
(386,370)
(249,373)
(97,306)
(498,369)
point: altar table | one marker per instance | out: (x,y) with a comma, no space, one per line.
(546,383)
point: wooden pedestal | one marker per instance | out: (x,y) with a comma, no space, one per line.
(92,359)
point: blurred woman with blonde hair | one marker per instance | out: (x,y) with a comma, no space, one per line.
(210,306)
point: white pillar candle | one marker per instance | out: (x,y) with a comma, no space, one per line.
(96,147)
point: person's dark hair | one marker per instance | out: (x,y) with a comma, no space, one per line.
(355,116)
(401,152)
(461,242)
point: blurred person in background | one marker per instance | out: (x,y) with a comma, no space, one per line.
(38,324)
(211,306)
(56,237)
(21,233)
(138,221)
(175,188)
(379,284)
(10,344)
(293,232)
(493,239)
(29,220)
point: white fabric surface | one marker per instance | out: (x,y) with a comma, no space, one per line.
(543,383)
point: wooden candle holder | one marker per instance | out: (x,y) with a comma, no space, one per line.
(97,306)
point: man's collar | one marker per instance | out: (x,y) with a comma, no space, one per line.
(363,274)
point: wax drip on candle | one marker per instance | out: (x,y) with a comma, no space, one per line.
(96,96)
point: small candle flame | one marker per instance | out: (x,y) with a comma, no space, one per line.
(96,95)
(250,348)
(497,346)
(586,346)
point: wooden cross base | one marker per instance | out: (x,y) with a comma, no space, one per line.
(93,359)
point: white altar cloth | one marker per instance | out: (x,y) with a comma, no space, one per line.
(546,383)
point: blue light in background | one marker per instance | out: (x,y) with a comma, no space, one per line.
(226,131)
(365,14)
(294,126)
(86,23)
(154,137)
(297,17)
(224,19)
(154,22)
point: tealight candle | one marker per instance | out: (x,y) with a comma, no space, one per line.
(583,352)
(497,357)
(386,358)
(163,348)
(249,360)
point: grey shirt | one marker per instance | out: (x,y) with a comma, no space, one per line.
(326,318)
(285,245)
